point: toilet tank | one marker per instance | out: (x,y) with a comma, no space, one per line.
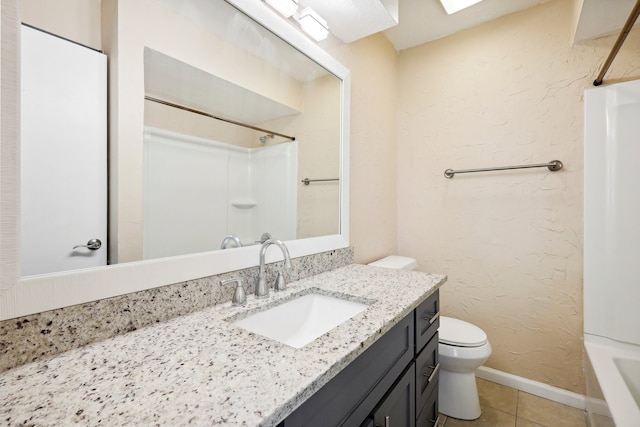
(396,262)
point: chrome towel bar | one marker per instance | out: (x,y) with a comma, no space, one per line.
(553,166)
(306,181)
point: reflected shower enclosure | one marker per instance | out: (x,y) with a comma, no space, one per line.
(198,191)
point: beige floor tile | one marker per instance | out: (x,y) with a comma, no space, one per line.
(442,420)
(549,413)
(497,396)
(521,422)
(490,418)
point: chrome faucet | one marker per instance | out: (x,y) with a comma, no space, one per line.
(230,238)
(262,290)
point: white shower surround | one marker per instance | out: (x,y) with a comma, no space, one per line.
(612,248)
(229,185)
(611,212)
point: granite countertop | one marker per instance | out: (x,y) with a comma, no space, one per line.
(200,369)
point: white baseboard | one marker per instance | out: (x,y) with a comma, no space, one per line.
(533,387)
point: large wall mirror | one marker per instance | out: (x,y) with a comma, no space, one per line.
(225,125)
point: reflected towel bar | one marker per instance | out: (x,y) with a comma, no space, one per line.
(553,166)
(306,181)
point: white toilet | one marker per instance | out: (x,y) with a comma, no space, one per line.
(462,348)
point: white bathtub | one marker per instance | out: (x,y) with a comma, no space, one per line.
(617,369)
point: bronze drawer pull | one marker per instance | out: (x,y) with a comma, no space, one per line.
(433,318)
(433,373)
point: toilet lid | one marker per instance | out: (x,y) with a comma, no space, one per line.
(460,333)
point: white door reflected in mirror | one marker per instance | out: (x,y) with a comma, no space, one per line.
(63,155)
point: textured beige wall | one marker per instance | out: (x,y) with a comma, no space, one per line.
(78,20)
(373,217)
(317,131)
(508,92)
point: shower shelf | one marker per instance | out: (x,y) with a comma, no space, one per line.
(243,204)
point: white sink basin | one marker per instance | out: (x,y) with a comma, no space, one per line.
(302,320)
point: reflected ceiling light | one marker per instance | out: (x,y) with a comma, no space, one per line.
(313,24)
(453,6)
(285,8)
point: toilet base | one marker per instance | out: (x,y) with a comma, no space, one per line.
(458,395)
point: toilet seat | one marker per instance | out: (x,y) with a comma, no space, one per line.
(456,332)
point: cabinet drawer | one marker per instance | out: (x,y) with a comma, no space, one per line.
(427,372)
(427,320)
(428,416)
(352,394)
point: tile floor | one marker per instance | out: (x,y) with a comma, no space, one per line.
(507,407)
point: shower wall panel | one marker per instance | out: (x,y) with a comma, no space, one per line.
(185,193)
(612,212)
(274,177)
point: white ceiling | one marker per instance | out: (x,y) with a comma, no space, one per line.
(350,20)
(421,21)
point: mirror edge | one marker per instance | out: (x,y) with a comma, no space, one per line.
(9,153)
(23,296)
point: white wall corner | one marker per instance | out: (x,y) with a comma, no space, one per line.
(593,19)
(575,18)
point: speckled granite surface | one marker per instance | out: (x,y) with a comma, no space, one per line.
(200,369)
(38,336)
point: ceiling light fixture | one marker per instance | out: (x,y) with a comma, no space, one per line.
(453,6)
(285,8)
(313,24)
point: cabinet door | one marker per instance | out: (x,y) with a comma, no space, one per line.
(368,423)
(398,408)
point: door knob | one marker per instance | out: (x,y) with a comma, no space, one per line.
(93,244)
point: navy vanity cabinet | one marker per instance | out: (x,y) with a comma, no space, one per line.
(394,383)
(351,395)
